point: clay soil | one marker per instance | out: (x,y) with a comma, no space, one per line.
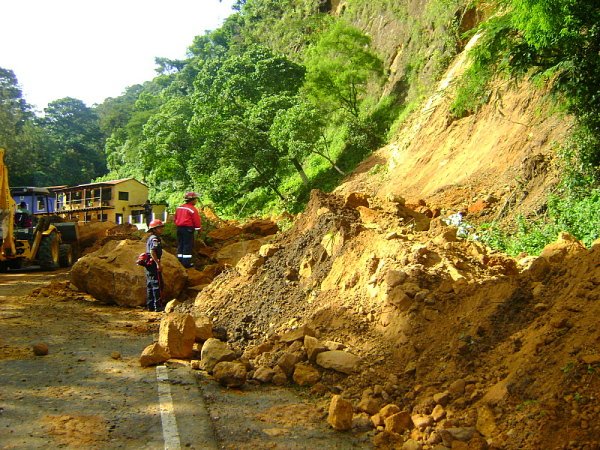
(427,311)
(512,345)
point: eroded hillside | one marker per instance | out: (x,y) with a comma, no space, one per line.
(464,338)
(501,159)
(507,348)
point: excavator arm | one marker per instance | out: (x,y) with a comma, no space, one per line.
(7,212)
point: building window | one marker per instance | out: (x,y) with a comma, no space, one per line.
(41,206)
(137,215)
(124,196)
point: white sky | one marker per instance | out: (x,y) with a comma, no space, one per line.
(94,49)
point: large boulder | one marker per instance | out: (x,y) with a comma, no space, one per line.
(213,352)
(225,233)
(111,275)
(153,355)
(230,374)
(339,361)
(90,232)
(177,334)
(261,227)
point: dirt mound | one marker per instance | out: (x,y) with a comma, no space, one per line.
(514,344)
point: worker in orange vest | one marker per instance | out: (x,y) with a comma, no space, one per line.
(187,220)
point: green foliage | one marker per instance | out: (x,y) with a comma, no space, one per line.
(490,56)
(530,236)
(297,130)
(567,368)
(361,137)
(581,159)
(285,26)
(76,142)
(526,404)
(404,112)
(170,232)
(472,91)
(339,66)
(578,214)
(552,40)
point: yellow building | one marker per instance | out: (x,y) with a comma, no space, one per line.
(118,201)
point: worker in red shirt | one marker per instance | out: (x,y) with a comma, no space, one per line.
(187,220)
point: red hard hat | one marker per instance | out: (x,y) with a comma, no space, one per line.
(191,196)
(155,224)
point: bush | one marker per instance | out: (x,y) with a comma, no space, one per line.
(577,215)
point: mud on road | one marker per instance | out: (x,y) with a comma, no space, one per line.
(89,391)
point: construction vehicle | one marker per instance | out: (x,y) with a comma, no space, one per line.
(49,244)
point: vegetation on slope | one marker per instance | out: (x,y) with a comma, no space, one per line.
(288,95)
(558,44)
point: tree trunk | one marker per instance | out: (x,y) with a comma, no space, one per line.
(300,170)
(269,184)
(330,161)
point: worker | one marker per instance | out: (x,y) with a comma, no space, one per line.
(23,216)
(148,212)
(187,220)
(154,276)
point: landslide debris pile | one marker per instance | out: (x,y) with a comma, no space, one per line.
(107,272)
(469,348)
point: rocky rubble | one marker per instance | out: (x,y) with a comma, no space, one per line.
(110,275)
(474,347)
(107,273)
(433,340)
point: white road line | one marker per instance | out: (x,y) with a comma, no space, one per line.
(167,413)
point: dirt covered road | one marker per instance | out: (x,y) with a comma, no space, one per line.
(90,392)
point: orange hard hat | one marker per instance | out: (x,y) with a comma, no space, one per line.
(190,196)
(155,224)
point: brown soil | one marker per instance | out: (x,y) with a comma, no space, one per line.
(515,344)
(521,337)
(90,392)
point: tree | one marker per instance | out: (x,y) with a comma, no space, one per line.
(235,102)
(299,131)
(339,67)
(76,142)
(18,133)
(166,143)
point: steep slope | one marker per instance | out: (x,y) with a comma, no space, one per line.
(512,347)
(506,349)
(502,155)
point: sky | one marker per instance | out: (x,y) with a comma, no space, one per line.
(94,49)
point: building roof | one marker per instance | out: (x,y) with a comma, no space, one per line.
(21,190)
(98,184)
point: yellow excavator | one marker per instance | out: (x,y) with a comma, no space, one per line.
(47,244)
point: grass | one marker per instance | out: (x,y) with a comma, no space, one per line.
(576,212)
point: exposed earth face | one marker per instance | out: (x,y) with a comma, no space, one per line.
(504,352)
(514,342)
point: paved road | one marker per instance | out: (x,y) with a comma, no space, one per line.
(90,391)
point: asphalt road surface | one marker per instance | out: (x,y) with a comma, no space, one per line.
(90,392)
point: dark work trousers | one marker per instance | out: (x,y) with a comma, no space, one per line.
(185,245)
(154,284)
